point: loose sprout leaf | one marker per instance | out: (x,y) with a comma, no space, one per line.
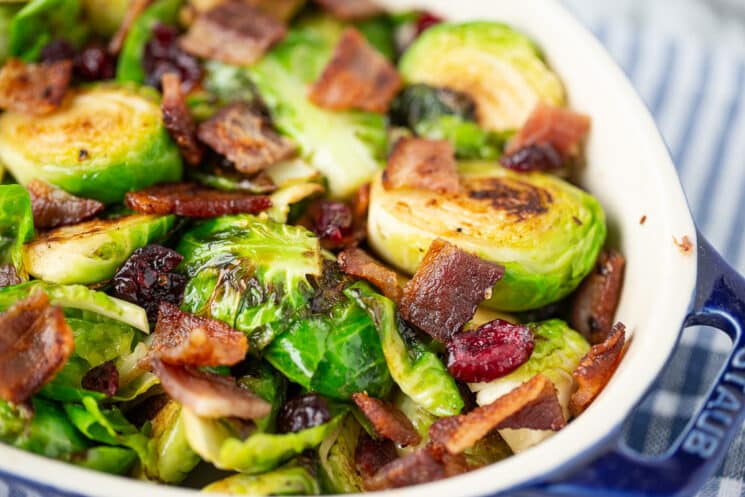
(217,443)
(271,386)
(423,378)
(7,12)
(289,480)
(348,148)
(337,457)
(174,458)
(130,67)
(41,21)
(16,226)
(114,460)
(250,273)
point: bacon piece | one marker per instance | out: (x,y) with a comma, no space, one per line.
(387,419)
(35,89)
(561,128)
(418,467)
(35,344)
(209,395)
(104,378)
(243,135)
(533,405)
(356,262)
(351,10)
(597,298)
(233,32)
(193,200)
(53,207)
(188,340)
(357,77)
(9,276)
(446,290)
(596,368)
(178,121)
(370,455)
(422,164)
(134,10)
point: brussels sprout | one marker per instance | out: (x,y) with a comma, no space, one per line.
(45,431)
(348,146)
(41,21)
(16,226)
(558,350)
(501,69)
(109,140)
(129,66)
(114,460)
(105,16)
(91,252)
(338,473)
(419,372)
(217,442)
(270,386)
(546,232)
(174,458)
(290,480)
(335,354)
(250,273)
(79,297)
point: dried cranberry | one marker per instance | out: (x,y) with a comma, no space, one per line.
(146,279)
(163,55)
(490,352)
(57,50)
(94,63)
(332,221)
(370,455)
(537,157)
(427,20)
(103,378)
(302,413)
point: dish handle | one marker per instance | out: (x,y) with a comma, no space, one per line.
(681,471)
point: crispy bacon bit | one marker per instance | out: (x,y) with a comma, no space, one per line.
(193,200)
(422,164)
(351,10)
(135,8)
(533,405)
(684,244)
(560,128)
(35,344)
(356,262)
(446,290)
(189,340)
(178,121)
(387,419)
(35,89)
(104,378)
(596,368)
(243,134)
(357,77)
(53,207)
(9,276)
(209,395)
(370,455)
(597,298)
(233,32)
(418,467)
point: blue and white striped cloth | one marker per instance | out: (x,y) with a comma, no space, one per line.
(697,95)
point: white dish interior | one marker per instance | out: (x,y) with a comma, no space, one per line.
(630,171)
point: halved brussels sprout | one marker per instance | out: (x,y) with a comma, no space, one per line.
(558,350)
(346,147)
(546,232)
(16,226)
(501,69)
(107,141)
(174,458)
(338,473)
(290,480)
(91,252)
